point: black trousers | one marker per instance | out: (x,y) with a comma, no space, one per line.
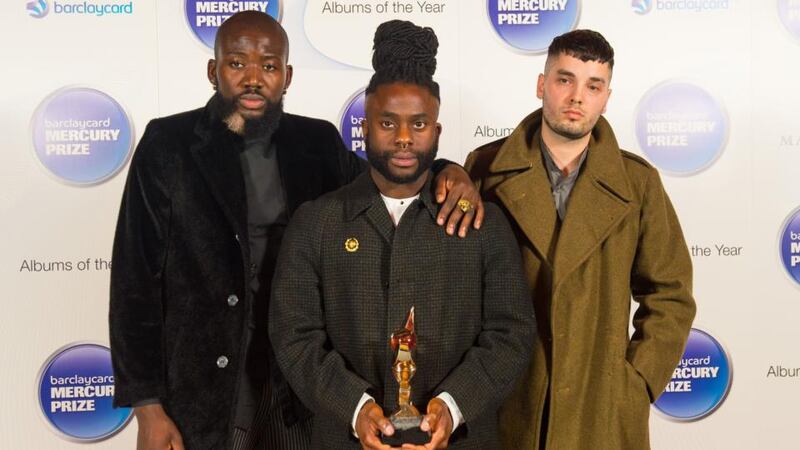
(269,432)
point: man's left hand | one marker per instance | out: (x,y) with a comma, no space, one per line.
(462,203)
(439,423)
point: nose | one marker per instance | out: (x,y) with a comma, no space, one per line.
(252,77)
(403,137)
(576,96)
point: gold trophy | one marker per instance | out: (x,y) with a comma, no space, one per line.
(406,419)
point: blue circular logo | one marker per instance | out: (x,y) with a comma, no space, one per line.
(790,245)
(789,12)
(701,381)
(76,390)
(350,124)
(37,8)
(530,26)
(681,128)
(205,16)
(642,6)
(81,135)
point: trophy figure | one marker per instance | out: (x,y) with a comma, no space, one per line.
(406,419)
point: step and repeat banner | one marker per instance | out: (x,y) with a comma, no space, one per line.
(706,90)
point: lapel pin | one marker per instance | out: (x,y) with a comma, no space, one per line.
(351,245)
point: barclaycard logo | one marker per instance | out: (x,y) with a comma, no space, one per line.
(642,6)
(38,8)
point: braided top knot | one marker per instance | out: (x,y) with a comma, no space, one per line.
(400,46)
(404,52)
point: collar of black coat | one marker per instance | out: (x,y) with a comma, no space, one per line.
(210,127)
(521,151)
(362,194)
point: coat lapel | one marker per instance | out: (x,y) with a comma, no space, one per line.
(526,191)
(217,157)
(296,164)
(362,197)
(598,203)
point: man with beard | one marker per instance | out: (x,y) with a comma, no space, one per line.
(357,260)
(208,196)
(595,228)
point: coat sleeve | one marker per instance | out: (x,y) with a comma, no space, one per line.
(661,283)
(501,351)
(139,255)
(317,373)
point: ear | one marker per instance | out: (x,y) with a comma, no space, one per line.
(289,73)
(540,86)
(606,103)
(212,71)
(438,129)
(364,128)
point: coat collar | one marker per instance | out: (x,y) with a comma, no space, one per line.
(598,202)
(363,197)
(216,153)
(521,151)
(297,159)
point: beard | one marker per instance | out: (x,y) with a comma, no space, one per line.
(568,129)
(379,160)
(253,128)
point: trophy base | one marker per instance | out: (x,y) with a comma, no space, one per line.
(406,431)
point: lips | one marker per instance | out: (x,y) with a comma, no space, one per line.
(252,101)
(403,159)
(573,114)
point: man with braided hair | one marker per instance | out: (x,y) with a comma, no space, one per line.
(357,260)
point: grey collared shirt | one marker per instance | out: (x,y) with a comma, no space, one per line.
(561,184)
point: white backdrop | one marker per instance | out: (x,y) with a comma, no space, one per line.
(744,53)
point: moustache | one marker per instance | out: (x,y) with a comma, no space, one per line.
(251,94)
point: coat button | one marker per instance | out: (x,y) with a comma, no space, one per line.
(222,362)
(233,300)
(236,236)
(253,269)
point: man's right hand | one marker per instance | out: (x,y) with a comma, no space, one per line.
(156,430)
(369,424)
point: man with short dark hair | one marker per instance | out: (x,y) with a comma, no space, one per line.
(595,228)
(357,260)
(208,196)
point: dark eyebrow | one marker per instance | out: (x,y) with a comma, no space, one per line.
(565,72)
(396,116)
(243,54)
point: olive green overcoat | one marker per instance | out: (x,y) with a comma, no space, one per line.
(620,240)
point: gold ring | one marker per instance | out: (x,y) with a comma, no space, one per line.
(464,205)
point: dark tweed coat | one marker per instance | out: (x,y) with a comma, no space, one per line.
(181,251)
(333,311)
(620,239)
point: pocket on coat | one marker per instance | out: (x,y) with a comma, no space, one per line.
(633,410)
(635,383)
